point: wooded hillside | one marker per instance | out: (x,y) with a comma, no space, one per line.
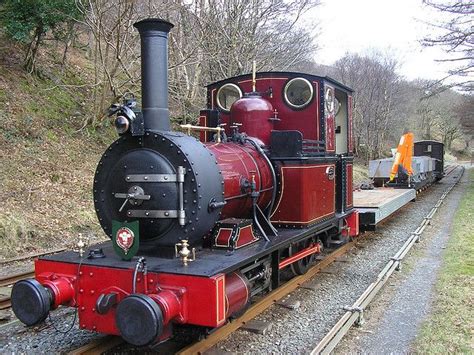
(64,62)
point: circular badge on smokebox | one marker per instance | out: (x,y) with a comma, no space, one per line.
(125,237)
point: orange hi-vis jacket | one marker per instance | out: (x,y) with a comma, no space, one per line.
(403,155)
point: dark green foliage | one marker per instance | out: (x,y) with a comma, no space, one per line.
(22,18)
(28,21)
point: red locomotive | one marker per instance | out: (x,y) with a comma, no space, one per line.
(199,227)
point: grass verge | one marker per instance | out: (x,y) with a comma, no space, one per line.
(450,327)
(47,161)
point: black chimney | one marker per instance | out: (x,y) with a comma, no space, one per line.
(154,49)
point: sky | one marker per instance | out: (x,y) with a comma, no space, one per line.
(389,26)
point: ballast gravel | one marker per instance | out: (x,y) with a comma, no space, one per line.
(293,331)
(394,318)
(298,331)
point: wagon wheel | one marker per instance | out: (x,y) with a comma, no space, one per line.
(301,266)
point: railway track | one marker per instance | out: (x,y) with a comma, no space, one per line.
(354,314)
(31,256)
(256,309)
(108,343)
(6,282)
(98,346)
(266,302)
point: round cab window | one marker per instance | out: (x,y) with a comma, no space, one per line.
(298,92)
(227,95)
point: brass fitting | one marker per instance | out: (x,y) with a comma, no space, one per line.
(182,250)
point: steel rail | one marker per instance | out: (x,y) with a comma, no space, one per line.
(98,346)
(31,256)
(355,313)
(257,308)
(5,301)
(108,342)
(11,279)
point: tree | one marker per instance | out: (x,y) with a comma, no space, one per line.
(456,38)
(114,48)
(28,21)
(465,112)
(440,116)
(216,39)
(211,40)
(376,86)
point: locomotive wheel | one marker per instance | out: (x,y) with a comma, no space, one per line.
(301,266)
(241,312)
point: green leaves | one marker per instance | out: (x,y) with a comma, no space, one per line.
(24,19)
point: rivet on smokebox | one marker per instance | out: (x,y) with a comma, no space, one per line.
(91,274)
(92,292)
(83,308)
(81,291)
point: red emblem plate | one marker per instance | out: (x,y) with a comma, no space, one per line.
(124,239)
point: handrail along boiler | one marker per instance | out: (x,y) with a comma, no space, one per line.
(199,227)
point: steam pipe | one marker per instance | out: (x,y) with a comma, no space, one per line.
(154,61)
(274,191)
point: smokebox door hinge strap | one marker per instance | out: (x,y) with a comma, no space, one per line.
(152,178)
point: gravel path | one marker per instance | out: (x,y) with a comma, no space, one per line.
(393,320)
(294,331)
(298,331)
(45,339)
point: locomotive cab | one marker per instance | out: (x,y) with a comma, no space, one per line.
(306,120)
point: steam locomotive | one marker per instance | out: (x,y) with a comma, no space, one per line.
(200,226)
